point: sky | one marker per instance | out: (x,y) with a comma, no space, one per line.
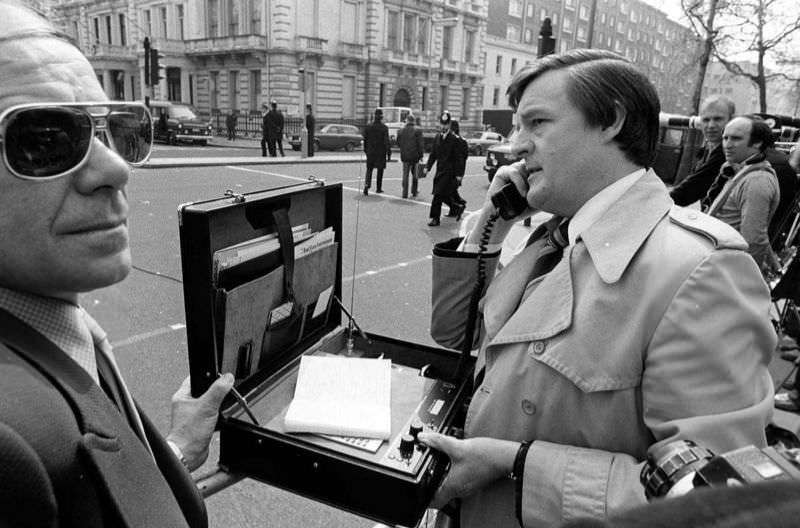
(671,7)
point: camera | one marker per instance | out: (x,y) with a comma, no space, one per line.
(678,467)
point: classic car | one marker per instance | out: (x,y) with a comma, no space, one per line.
(332,137)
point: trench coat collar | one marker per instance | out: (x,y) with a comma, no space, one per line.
(611,243)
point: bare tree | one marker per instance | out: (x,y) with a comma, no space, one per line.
(702,16)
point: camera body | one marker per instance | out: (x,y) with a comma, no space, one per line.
(681,466)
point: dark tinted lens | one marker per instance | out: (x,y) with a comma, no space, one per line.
(130,129)
(43,142)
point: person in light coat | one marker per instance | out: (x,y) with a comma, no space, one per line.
(653,326)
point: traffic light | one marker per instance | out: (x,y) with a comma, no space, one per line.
(147,61)
(155,67)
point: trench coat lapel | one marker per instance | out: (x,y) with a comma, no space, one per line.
(611,243)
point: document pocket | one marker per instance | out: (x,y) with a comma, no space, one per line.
(314,282)
(244,312)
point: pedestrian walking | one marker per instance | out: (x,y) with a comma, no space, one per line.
(412,148)
(461,170)
(311,123)
(446,154)
(378,150)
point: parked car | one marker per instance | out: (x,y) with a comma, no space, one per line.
(174,122)
(497,156)
(479,142)
(332,137)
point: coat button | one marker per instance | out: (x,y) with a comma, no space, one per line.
(528,407)
(538,347)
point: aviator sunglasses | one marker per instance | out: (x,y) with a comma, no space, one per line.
(44,141)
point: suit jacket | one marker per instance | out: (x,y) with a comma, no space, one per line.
(376,144)
(653,327)
(70,459)
(411,144)
(695,186)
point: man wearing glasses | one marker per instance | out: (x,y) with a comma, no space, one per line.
(74,449)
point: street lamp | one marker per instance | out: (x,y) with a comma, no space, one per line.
(445,22)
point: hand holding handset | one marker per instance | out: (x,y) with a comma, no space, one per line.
(509,202)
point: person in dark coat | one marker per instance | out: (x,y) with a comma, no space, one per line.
(75,449)
(311,124)
(462,169)
(273,129)
(378,149)
(447,155)
(230,124)
(412,148)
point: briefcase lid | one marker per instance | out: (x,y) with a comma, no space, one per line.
(261,271)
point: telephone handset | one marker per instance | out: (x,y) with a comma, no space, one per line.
(509,202)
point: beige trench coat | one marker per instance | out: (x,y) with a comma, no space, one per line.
(653,327)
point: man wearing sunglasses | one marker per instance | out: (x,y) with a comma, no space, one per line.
(74,449)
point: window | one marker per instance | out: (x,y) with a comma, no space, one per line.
(583,12)
(255,18)
(123,34)
(422,36)
(530,10)
(567,25)
(469,47)
(542,14)
(233,17)
(409,30)
(148,22)
(181,27)
(424,98)
(515,8)
(513,33)
(213,91)
(233,89)
(393,30)
(255,89)
(163,16)
(109,40)
(498,65)
(213,20)
(603,17)
(495,96)
(447,42)
(554,19)
(528,36)
(381,93)
(581,33)
(96,22)
(569,4)
(443,96)
(465,106)
(513,66)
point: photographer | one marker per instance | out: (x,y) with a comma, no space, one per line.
(624,324)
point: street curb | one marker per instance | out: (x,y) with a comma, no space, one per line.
(171,163)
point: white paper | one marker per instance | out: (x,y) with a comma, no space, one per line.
(342,396)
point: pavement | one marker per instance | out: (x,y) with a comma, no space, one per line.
(253,144)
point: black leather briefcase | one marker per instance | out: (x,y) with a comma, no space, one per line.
(255,304)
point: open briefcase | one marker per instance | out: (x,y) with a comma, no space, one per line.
(262,278)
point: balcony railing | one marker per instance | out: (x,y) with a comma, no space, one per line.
(311,44)
(113,51)
(226,44)
(351,49)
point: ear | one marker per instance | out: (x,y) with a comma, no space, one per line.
(611,131)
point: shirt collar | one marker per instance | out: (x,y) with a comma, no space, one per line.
(594,208)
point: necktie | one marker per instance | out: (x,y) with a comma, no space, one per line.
(722,178)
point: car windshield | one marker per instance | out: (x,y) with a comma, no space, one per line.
(476,135)
(182,112)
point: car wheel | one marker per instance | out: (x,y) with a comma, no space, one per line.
(203,143)
(349,147)
(172,139)
(295,148)
(316,145)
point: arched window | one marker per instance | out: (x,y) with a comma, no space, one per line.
(402,98)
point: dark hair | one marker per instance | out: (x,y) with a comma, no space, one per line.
(599,82)
(760,132)
(454,127)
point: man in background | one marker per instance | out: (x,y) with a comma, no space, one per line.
(748,187)
(412,148)
(378,150)
(715,112)
(76,451)
(446,153)
(273,125)
(311,124)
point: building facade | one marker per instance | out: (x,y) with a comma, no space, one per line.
(662,48)
(345,57)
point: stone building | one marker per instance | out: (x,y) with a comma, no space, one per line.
(661,47)
(343,56)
